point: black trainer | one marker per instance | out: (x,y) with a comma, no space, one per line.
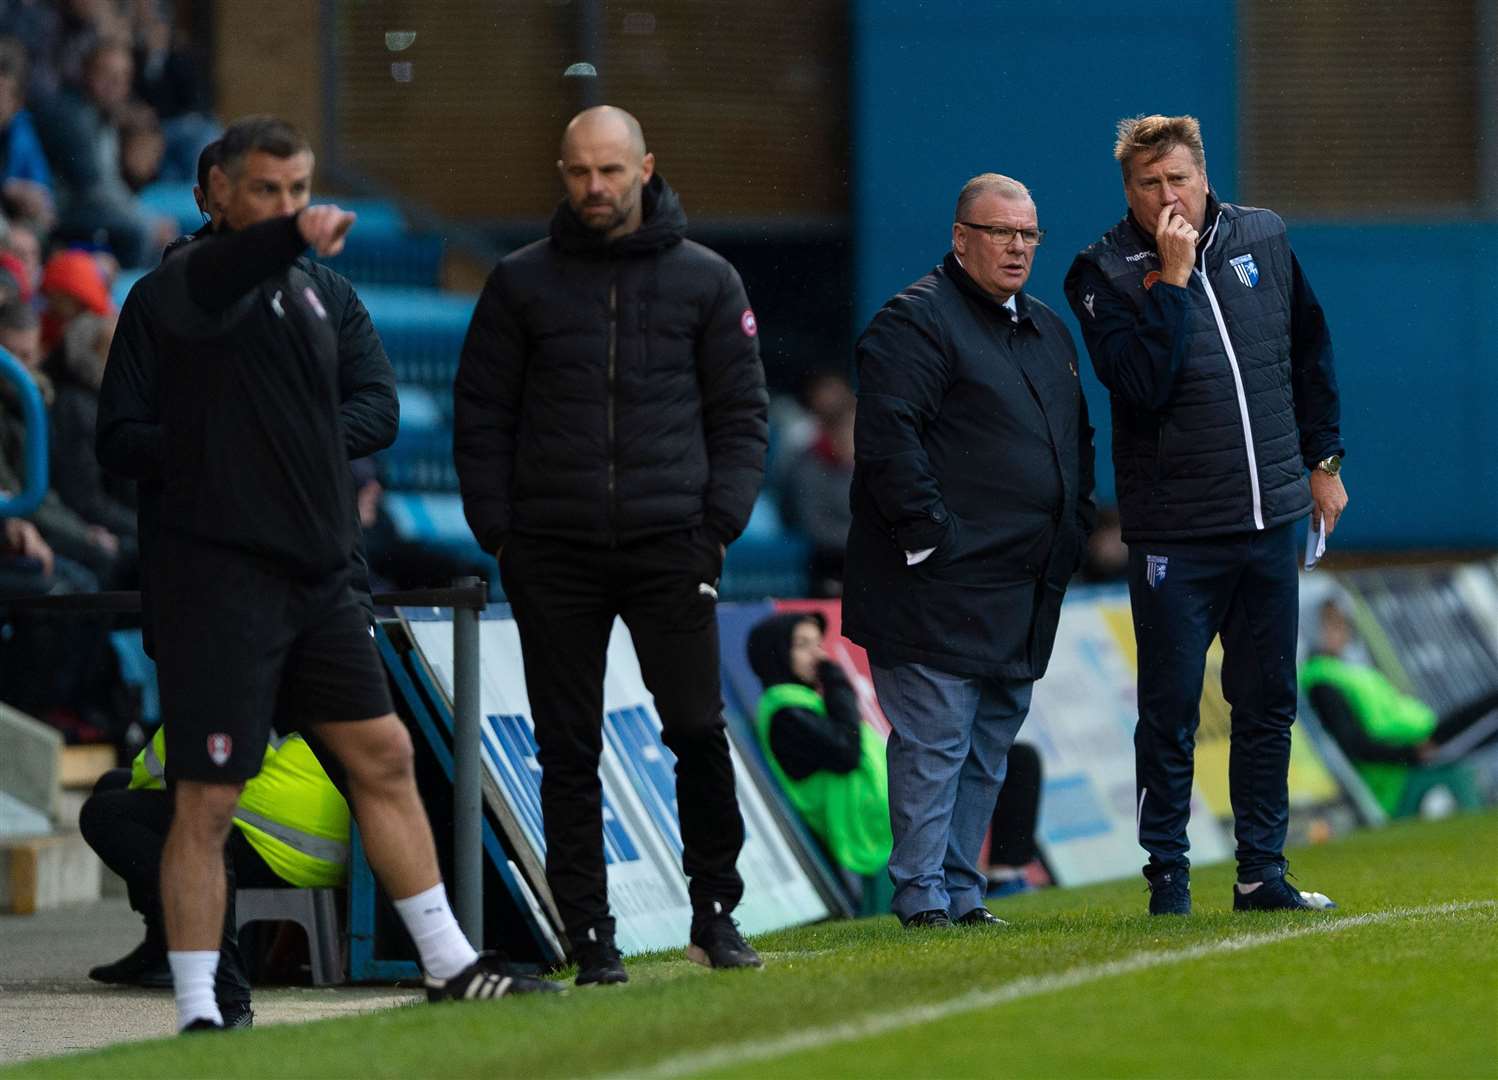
(717,943)
(487,977)
(1277,894)
(202,1023)
(1170,892)
(599,963)
(935,919)
(981,916)
(237,1015)
(145,965)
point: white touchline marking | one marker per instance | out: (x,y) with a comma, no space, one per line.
(699,1061)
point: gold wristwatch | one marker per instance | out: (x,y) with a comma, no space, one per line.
(1331,465)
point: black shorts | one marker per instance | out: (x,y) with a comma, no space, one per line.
(240,646)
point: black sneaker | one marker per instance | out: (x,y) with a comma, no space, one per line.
(717,943)
(145,965)
(981,916)
(487,977)
(599,963)
(1170,892)
(237,1015)
(935,919)
(202,1023)
(1277,894)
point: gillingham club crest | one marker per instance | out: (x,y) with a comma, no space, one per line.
(1154,570)
(1246,269)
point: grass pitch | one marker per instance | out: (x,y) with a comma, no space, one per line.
(1402,981)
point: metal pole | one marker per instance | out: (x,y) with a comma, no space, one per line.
(468,811)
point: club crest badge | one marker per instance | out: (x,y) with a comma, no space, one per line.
(1154,570)
(220,746)
(1246,269)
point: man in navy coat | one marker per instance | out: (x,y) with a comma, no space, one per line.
(972,501)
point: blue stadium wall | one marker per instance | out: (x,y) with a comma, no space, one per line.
(944,90)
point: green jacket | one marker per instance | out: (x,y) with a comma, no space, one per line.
(849,812)
(290,812)
(1387,715)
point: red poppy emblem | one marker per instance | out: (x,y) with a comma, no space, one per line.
(1150,279)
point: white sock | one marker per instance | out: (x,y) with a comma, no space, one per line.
(1246,887)
(444,950)
(192,982)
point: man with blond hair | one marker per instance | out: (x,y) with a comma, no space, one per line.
(972,501)
(1216,354)
(610,434)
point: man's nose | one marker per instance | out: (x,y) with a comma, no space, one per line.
(1016,243)
(288,204)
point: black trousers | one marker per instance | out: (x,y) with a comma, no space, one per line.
(127,830)
(1245,587)
(1012,841)
(565,597)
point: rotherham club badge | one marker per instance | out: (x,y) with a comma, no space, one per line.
(748,324)
(220,746)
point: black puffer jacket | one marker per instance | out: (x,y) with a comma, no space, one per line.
(610,391)
(1223,392)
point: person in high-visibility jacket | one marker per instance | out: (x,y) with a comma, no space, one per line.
(1400,746)
(291,828)
(829,763)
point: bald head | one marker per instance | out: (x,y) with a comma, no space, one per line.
(606,123)
(605,167)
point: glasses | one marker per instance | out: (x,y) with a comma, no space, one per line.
(1003,234)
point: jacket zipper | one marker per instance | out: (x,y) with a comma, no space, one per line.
(1222,330)
(613,354)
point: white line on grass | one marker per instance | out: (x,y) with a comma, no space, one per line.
(739,1053)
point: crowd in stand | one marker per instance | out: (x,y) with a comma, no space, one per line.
(98,98)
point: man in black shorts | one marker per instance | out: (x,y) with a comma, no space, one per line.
(253,603)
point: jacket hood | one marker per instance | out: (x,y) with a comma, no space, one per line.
(663,224)
(770,645)
(182,241)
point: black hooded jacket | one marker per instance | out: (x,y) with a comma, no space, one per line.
(805,742)
(611,390)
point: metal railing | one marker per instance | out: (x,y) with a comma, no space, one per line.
(34,413)
(468,597)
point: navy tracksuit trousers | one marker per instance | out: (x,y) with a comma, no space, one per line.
(1183,593)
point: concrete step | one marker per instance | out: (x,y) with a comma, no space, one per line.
(42,872)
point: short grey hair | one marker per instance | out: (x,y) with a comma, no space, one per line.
(989,183)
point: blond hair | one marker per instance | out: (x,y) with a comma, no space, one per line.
(1150,138)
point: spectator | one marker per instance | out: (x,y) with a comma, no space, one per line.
(72,284)
(81,134)
(142,146)
(816,498)
(77,370)
(169,78)
(1399,745)
(21,253)
(795,422)
(829,762)
(92,546)
(25,179)
(26,560)
(395,562)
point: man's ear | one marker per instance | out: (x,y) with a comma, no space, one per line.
(959,241)
(219,186)
(647,168)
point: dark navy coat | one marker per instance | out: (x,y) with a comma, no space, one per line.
(972,437)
